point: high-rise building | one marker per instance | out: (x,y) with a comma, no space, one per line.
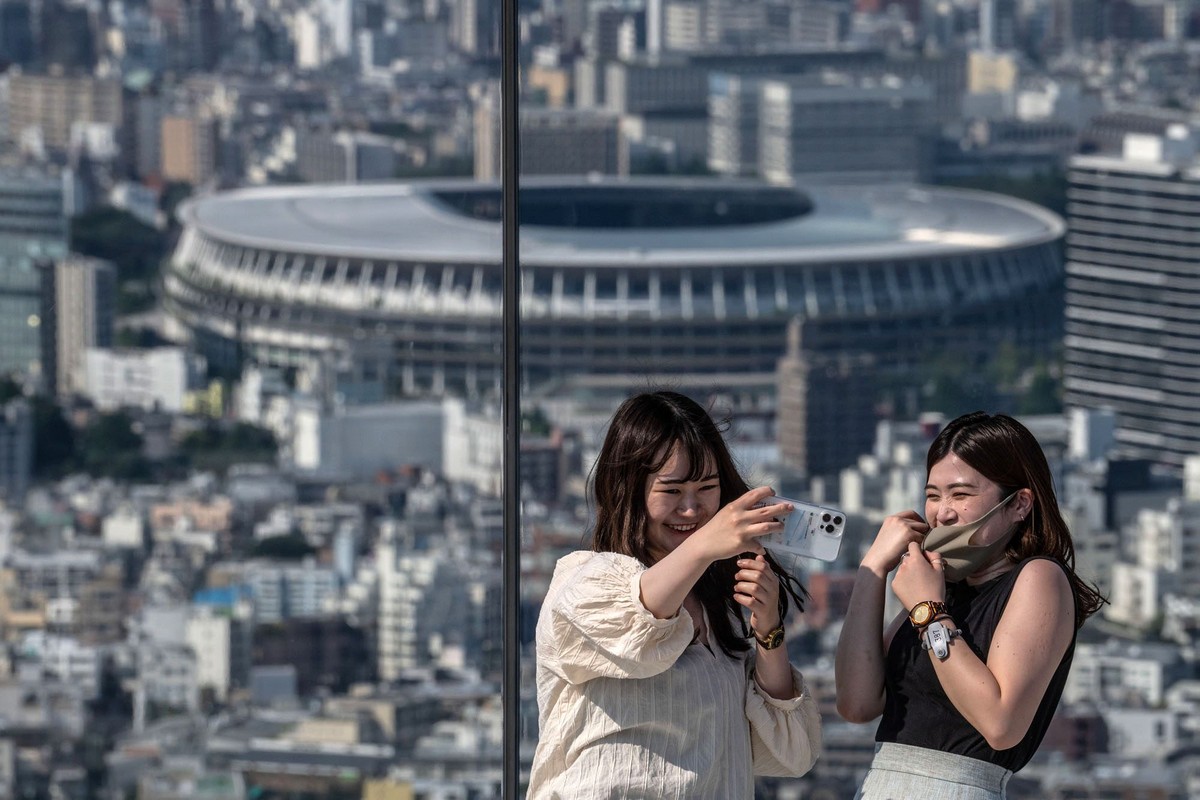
(220,638)
(189,148)
(826,416)
(554,141)
(53,103)
(474,27)
(683,26)
(309,51)
(344,156)
(67,40)
(143,128)
(200,36)
(733,124)
(85,291)
(613,32)
(1133,269)
(997,24)
(649,87)
(16,450)
(16,32)
(839,128)
(33,234)
(654,27)
(431,606)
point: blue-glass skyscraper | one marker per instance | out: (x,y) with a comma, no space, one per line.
(33,235)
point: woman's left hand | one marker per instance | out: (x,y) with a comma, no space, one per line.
(919,577)
(756,586)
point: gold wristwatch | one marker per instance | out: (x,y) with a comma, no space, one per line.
(771,640)
(926,612)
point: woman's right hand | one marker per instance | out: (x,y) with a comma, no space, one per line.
(736,527)
(892,541)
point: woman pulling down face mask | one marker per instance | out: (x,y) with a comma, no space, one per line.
(965,679)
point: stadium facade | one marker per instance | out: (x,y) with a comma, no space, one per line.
(618,276)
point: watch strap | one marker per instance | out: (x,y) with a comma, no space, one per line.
(771,640)
(937,608)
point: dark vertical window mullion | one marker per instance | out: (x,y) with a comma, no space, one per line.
(511,574)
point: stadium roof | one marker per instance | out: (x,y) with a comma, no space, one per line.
(668,221)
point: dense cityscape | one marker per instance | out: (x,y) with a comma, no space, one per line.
(250,352)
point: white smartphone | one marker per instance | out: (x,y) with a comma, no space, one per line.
(810,530)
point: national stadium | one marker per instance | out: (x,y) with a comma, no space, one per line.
(618,276)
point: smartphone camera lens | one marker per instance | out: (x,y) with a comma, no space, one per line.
(825,517)
(829,528)
(837,520)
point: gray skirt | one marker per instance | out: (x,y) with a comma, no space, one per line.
(904,772)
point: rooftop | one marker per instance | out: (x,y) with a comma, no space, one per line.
(620,222)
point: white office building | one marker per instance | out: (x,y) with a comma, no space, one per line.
(150,379)
(43,656)
(1123,673)
(284,590)
(841,128)
(220,639)
(125,527)
(428,608)
(359,441)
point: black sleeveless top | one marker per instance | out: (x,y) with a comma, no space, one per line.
(917,711)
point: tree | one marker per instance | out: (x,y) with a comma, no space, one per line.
(53,439)
(1006,365)
(292,547)
(173,194)
(1043,395)
(118,236)
(112,448)
(10,389)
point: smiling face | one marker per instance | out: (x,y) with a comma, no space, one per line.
(957,493)
(675,506)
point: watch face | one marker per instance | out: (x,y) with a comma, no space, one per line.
(920,613)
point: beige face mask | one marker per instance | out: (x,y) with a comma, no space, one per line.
(953,544)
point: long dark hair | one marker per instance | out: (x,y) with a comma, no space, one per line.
(1006,453)
(641,436)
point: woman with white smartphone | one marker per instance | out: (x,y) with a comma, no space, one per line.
(648,684)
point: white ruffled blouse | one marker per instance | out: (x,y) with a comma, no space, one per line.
(630,707)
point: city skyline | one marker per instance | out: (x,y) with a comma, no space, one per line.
(251,440)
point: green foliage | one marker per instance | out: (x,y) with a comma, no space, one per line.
(173,194)
(118,236)
(217,446)
(10,389)
(134,297)
(293,547)
(54,446)
(240,437)
(1006,365)
(110,447)
(951,388)
(535,423)
(1044,395)
(139,338)
(394,128)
